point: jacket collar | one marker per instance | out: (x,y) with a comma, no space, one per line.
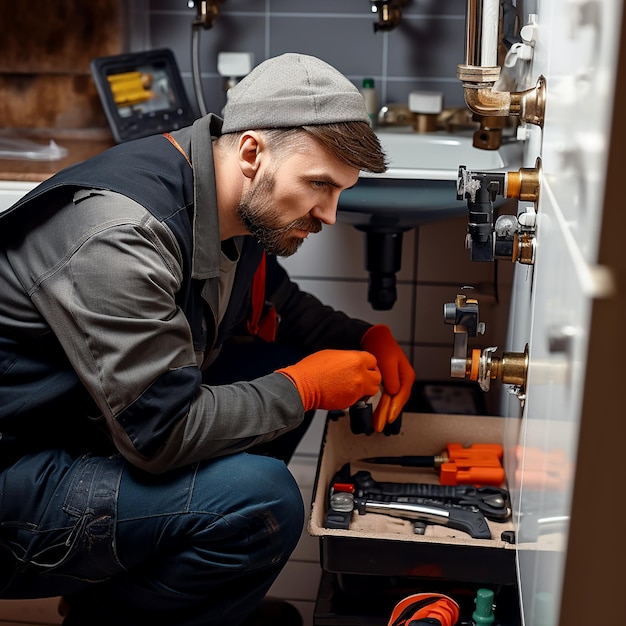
(206,228)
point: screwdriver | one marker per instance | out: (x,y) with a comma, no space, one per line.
(478,452)
(479,463)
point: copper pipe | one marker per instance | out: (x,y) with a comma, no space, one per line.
(481,42)
(480,72)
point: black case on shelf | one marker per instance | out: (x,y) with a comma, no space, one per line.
(142,93)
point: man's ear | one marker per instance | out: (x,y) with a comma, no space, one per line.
(250,152)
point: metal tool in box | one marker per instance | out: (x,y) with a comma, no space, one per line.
(464,508)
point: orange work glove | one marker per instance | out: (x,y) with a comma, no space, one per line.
(398,374)
(334,379)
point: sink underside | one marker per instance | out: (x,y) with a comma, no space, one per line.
(420,184)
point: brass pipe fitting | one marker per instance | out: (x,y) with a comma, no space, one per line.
(207,12)
(389,14)
(478,75)
(523,248)
(483,100)
(425,122)
(489,135)
(481,365)
(524,184)
(511,368)
(530,105)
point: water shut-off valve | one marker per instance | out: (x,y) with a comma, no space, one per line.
(481,365)
(507,237)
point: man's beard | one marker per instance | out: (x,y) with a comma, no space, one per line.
(262,220)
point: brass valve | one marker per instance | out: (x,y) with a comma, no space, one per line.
(514,238)
(207,12)
(389,14)
(524,184)
(481,366)
(511,368)
(507,237)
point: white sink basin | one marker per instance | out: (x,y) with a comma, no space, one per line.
(420,184)
(437,156)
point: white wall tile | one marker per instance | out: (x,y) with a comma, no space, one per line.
(351,298)
(442,256)
(430,327)
(338,251)
(432,363)
(335,252)
(303,469)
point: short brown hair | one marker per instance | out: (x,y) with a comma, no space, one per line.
(352,143)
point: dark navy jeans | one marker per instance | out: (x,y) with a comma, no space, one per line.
(198,546)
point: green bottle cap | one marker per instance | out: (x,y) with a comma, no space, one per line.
(484,607)
(368,83)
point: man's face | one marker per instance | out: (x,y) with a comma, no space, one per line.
(294,197)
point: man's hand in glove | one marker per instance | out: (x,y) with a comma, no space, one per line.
(398,374)
(334,379)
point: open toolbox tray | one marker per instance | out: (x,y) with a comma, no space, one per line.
(381,545)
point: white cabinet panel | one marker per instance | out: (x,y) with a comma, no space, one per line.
(544,462)
(12,191)
(552,303)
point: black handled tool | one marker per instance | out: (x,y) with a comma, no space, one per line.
(342,503)
(362,420)
(493,502)
(469,520)
(407,460)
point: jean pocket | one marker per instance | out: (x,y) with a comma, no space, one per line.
(85,553)
(66,526)
(88,550)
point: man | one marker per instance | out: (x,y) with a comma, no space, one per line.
(133,481)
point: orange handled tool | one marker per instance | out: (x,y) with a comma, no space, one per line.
(488,471)
(478,464)
(475,451)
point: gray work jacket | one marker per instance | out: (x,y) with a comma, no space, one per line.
(109,273)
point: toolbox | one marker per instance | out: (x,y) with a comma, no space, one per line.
(378,554)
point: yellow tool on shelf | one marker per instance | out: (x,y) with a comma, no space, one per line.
(130,88)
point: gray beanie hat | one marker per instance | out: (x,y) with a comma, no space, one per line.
(292,90)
